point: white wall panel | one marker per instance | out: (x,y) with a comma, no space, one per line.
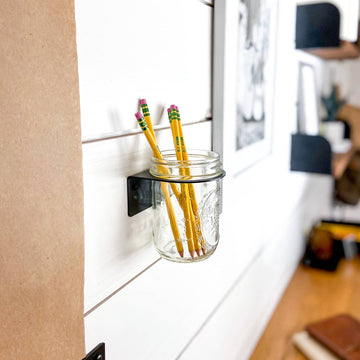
(250,303)
(349,213)
(170,310)
(346,74)
(155,49)
(155,316)
(177,309)
(118,247)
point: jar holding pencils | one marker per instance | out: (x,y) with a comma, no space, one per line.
(186,193)
(186,204)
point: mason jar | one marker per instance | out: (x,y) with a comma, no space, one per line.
(186,204)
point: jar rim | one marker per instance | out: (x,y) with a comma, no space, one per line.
(201,164)
(195,157)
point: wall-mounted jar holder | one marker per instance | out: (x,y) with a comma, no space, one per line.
(186,203)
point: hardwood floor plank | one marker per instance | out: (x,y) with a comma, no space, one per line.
(311,295)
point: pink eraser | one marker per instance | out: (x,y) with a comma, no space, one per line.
(168,110)
(173,106)
(138,115)
(176,108)
(142,101)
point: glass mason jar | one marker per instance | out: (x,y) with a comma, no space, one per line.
(186,204)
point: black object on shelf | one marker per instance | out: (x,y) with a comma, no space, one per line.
(310,259)
(317,25)
(310,153)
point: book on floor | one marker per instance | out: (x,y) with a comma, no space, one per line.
(311,348)
(340,334)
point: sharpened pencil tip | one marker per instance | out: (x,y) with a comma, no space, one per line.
(192,253)
(181,253)
(203,250)
(198,251)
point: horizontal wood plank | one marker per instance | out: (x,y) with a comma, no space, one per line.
(180,301)
(118,247)
(159,50)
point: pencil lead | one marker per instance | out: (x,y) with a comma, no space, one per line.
(198,251)
(192,253)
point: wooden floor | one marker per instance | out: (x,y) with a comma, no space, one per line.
(311,295)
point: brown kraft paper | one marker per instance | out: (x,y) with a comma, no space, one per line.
(41,195)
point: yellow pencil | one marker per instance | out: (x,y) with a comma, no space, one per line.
(194,205)
(188,214)
(164,188)
(147,117)
(171,214)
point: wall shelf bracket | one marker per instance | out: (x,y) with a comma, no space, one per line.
(310,153)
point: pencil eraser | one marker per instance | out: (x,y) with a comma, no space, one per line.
(168,110)
(173,106)
(176,108)
(142,101)
(138,115)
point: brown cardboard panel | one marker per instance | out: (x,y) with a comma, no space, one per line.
(41,195)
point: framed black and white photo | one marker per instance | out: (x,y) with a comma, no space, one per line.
(244,80)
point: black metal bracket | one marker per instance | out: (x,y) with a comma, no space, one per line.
(139,192)
(139,189)
(310,153)
(98,353)
(317,25)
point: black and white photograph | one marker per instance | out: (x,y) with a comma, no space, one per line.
(252,52)
(246,34)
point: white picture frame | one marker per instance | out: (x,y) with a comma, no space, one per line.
(308,100)
(239,47)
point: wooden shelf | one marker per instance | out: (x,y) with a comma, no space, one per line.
(351,115)
(319,35)
(312,154)
(340,162)
(346,50)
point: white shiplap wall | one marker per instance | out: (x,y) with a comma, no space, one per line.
(131,50)
(159,50)
(118,247)
(140,306)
